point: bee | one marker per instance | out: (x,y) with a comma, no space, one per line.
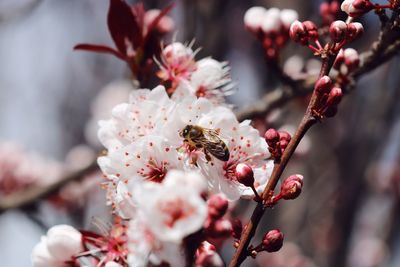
(207,139)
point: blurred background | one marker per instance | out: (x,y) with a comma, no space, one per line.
(51,98)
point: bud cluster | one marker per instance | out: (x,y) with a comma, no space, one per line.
(329,11)
(327,98)
(277,142)
(303,32)
(270,26)
(341,33)
(347,60)
(357,8)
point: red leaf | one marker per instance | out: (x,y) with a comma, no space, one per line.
(123,26)
(163,12)
(100,49)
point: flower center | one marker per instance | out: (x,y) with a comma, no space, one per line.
(156,172)
(175,210)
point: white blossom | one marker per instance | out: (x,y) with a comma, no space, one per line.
(172,211)
(58,246)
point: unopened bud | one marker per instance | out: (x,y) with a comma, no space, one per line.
(291,187)
(335,96)
(253,18)
(339,60)
(244,174)
(356,8)
(338,31)
(298,33)
(220,229)
(272,241)
(351,58)
(283,135)
(271,136)
(217,206)
(355,30)
(323,85)
(311,29)
(207,256)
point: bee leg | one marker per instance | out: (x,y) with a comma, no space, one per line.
(208,158)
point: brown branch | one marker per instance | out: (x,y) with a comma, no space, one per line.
(33,194)
(372,60)
(305,124)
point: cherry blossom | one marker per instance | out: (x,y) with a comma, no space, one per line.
(61,243)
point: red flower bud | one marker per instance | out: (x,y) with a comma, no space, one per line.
(220,229)
(272,241)
(354,30)
(335,96)
(311,29)
(323,85)
(291,187)
(217,206)
(338,31)
(339,60)
(207,256)
(271,136)
(245,175)
(283,135)
(351,58)
(298,33)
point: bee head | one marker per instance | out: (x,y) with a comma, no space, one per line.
(185,131)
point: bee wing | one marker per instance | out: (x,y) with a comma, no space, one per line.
(214,144)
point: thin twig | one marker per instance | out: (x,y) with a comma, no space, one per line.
(34,194)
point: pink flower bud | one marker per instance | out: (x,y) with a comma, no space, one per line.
(283,135)
(311,29)
(298,33)
(335,96)
(323,85)
(338,31)
(207,256)
(351,58)
(272,241)
(339,60)
(253,18)
(356,8)
(220,229)
(244,174)
(291,187)
(355,30)
(217,206)
(271,136)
